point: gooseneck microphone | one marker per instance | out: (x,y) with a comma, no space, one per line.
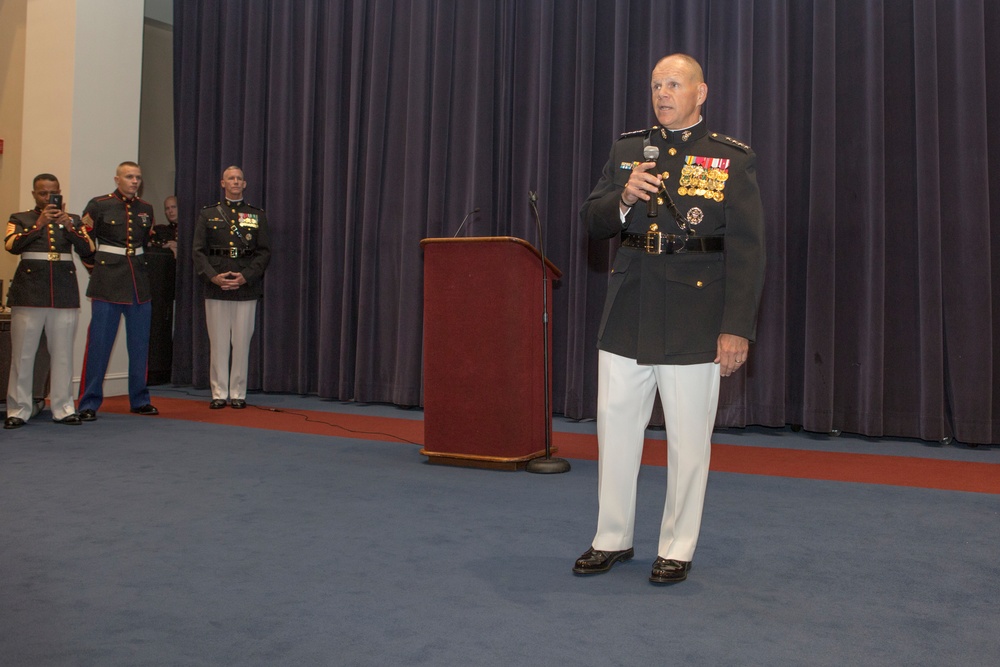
(652,154)
(464,220)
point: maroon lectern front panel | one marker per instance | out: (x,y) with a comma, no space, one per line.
(483,356)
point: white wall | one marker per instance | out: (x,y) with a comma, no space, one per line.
(105,128)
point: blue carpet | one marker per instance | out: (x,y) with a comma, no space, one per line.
(139,541)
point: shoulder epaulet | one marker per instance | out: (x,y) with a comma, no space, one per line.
(636,133)
(256,208)
(218,203)
(721,138)
(139,199)
(110,195)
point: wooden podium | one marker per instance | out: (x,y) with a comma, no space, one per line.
(484,395)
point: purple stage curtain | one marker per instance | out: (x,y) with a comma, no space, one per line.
(365,126)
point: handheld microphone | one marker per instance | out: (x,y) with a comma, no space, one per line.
(651,154)
(464,220)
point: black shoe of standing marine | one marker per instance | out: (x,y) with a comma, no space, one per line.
(13,422)
(88,415)
(668,571)
(217,404)
(69,420)
(598,562)
(147,410)
(237,404)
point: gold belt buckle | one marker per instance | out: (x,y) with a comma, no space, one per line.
(54,257)
(129,251)
(658,243)
(234,253)
(652,243)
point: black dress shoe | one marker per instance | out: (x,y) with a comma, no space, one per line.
(666,571)
(238,403)
(88,416)
(597,562)
(70,420)
(146,410)
(217,404)
(13,422)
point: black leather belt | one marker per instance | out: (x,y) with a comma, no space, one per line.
(658,243)
(229,252)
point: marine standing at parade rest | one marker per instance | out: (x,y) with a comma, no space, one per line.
(231,250)
(119,286)
(44,296)
(680,311)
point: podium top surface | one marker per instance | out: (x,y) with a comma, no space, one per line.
(556,273)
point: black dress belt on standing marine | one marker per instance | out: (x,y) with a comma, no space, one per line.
(229,252)
(658,243)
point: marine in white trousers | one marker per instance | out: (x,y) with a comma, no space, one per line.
(230,324)
(26,326)
(625,394)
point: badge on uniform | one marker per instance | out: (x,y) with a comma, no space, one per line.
(247,219)
(704,177)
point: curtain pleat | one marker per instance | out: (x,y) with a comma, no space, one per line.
(364,126)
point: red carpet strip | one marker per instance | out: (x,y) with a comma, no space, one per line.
(745,459)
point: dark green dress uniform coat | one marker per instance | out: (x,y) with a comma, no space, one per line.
(124,223)
(671,308)
(232,236)
(40,283)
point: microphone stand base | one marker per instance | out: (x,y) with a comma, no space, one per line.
(547,466)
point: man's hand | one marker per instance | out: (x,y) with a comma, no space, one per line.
(641,184)
(51,214)
(229,280)
(731,353)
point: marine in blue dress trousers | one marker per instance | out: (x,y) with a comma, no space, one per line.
(120,224)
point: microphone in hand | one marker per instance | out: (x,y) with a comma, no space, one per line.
(652,154)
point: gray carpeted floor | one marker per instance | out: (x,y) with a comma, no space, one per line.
(138,541)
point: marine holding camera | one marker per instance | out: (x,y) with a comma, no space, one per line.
(44,296)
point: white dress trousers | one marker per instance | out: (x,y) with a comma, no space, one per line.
(230,323)
(26,326)
(625,394)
